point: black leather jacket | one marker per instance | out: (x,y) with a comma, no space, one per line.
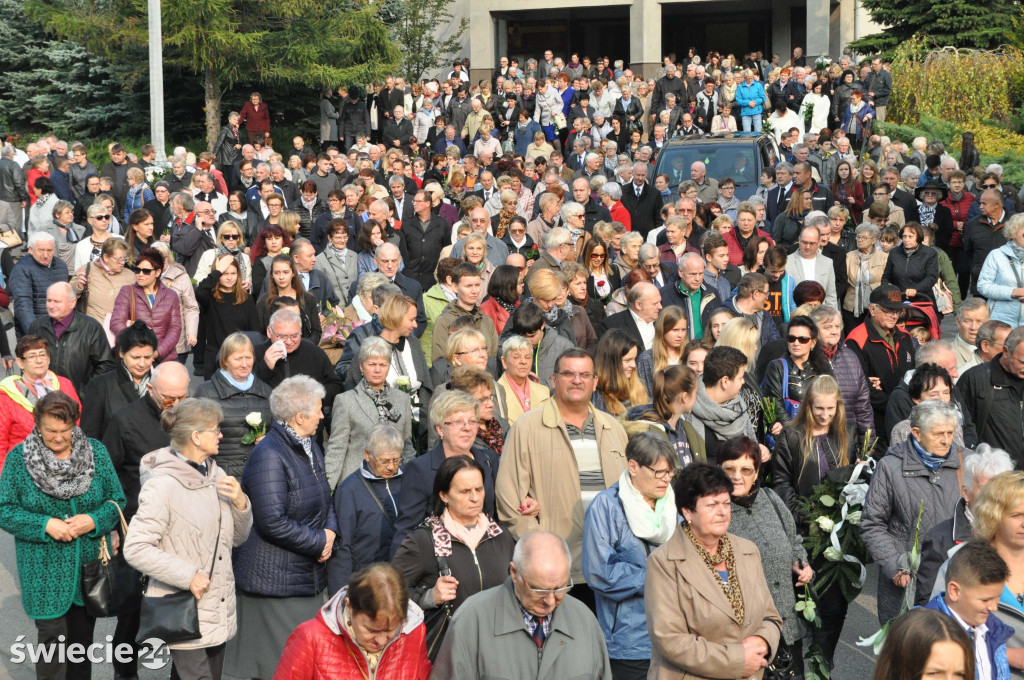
(12,182)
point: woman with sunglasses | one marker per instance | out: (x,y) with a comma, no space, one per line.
(230,241)
(88,249)
(803,361)
(602,278)
(148,300)
(238,212)
(103,278)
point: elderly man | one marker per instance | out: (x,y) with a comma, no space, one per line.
(206,191)
(642,201)
(670,83)
(643,305)
(497,250)
(991,339)
(707,188)
(472,120)
(662,272)
(558,248)
(505,631)
(885,351)
(288,188)
(13,194)
(32,277)
(808,265)
(547,207)
(969,319)
(388,260)
(993,392)
(592,167)
(985,233)
(397,130)
(690,293)
(313,280)
(79,349)
(939,353)
(560,456)
(423,238)
(192,240)
(751,294)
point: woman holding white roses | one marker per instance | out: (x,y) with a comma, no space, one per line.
(814,446)
(245,400)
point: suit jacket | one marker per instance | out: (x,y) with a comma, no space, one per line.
(775,204)
(905,199)
(421,246)
(624,321)
(410,288)
(824,273)
(645,210)
(354,416)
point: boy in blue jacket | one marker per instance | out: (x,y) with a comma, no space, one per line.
(975,579)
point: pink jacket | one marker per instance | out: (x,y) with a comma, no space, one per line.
(164,317)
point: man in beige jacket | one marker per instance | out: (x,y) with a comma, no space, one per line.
(557,458)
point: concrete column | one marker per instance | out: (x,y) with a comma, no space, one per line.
(847,26)
(781,31)
(817,29)
(645,36)
(481,42)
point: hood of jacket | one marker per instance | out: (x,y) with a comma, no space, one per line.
(332,612)
(163,462)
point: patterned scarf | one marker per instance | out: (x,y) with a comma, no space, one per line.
(61,479)
(386,411)
(490,433)
(243,271)
(305,442)
(504,218)
(926,213)
(725,554)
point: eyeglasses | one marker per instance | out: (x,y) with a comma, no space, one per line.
(143,270)
(574,376)
(290,336)
(660,474)
(989,186)
(746,472)
(802,339)
(542,592)
(231,237)
(167,402)
(120,260)
(462,424)
(475,350)
(102,218)
(215,430)
(37,356)
(389,462)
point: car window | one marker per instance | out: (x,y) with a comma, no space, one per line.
(722,160)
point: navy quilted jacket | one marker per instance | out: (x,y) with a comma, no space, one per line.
(291,507)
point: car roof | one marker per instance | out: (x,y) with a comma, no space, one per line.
(717,139)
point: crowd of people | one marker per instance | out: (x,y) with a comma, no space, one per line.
(478,385)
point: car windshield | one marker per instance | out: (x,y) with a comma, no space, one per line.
(722,160)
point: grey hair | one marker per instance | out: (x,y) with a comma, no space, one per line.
(689,257)
(592,156)
(264,165)
(7,151)
(870,229)
(176,159)
(188,416)
(368,282)
(637,292)
(932,412)
(451,402)
(96,209)
(987,332)
(929,351)
(514,343)
(384,438)
(648,448)
(784,166)
(277,164)
(1013,225)
(910,173)
(524,551)
(373,348)
(384,292)
(994,167)
(295,395)
(301,243)
(396,180)
(986,461)
(59,207)
(186,201)
(612,190)
(63,286)
(628,238)
(648,251)
(1015,337)
(284,315)
(558,236)
(382,246)
(40,236)
(568,208)
(818,220)
(971,305)
(163,248)
(756,201)
(823,313)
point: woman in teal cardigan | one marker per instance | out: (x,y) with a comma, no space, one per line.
(53,499)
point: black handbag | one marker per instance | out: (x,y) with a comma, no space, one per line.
(110,586)
(436,620)
(175,617)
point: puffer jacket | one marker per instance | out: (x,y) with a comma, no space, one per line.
(172,536)
(323,648)
(16,413)
(28,285)
(854,387)
(1003,272)
(899,484)
(136,197)
(164,317)
(177,279)
(291,506)
(236,405)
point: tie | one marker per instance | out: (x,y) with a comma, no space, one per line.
(638,190)
(538,633)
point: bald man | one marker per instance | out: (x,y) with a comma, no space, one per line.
(79,348)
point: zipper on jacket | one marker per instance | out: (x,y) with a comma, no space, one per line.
(387,487)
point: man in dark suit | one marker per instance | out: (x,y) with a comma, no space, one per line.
(644,304)
(388,261)
(642,201)
(899,197)
(397,130)
(423,237)
(778,195)
(578,158)
(403,201)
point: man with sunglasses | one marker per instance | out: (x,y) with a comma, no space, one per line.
(512,630)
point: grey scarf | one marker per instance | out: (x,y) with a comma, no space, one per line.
(61,479)
(726,420)
(243,271)
(305,442)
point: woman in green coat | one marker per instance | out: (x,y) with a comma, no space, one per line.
(53,499)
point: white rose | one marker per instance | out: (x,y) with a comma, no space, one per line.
(832,555)
(403,381)
(254,419)
(825,524)
(854,517)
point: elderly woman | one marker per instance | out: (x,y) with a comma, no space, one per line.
(358,410)
(369,629)
(336,261)
(518,389)
(979,468)
(929,382)
(150,301)
(622,525)
(100,280)
(19,393)
(864,269)
(65,232)
(464,349)
(912,266)
(238,212)
(1002,273)
(366,504)
(191,514)
(59,494)
(360,308)
(139,192)
(923,468)
(479,384)
(846,368)
(456,418)
(709,611)
(240,394)
(280,570)
(476,550)
(177,279)
(230,241)
(574,219)
(89,249)
(109,392)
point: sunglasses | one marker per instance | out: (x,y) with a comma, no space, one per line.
(143,270)
(231,237)
(989,186)
(802,339)
(104,218)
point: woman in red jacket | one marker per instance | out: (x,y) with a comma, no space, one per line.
(255,117)
(19,393)
(503,292)
(367,631)
(150,301)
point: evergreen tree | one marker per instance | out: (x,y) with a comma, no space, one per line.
(226,42)
(415,25)
(981,24)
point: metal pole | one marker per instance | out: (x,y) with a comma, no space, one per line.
(156,82)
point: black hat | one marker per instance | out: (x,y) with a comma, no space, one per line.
(888,296)
(934,185)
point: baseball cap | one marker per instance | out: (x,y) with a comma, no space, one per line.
(888,296)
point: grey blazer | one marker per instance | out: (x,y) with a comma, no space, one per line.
(340,276)
(824,273)
(354,416)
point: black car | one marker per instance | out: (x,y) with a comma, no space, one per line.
(740,156)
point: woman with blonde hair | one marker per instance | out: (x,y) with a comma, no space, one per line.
(671,408)
(618,383)
(230,241)
(670,336)
(475,250)
(996,515)
(289,222)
